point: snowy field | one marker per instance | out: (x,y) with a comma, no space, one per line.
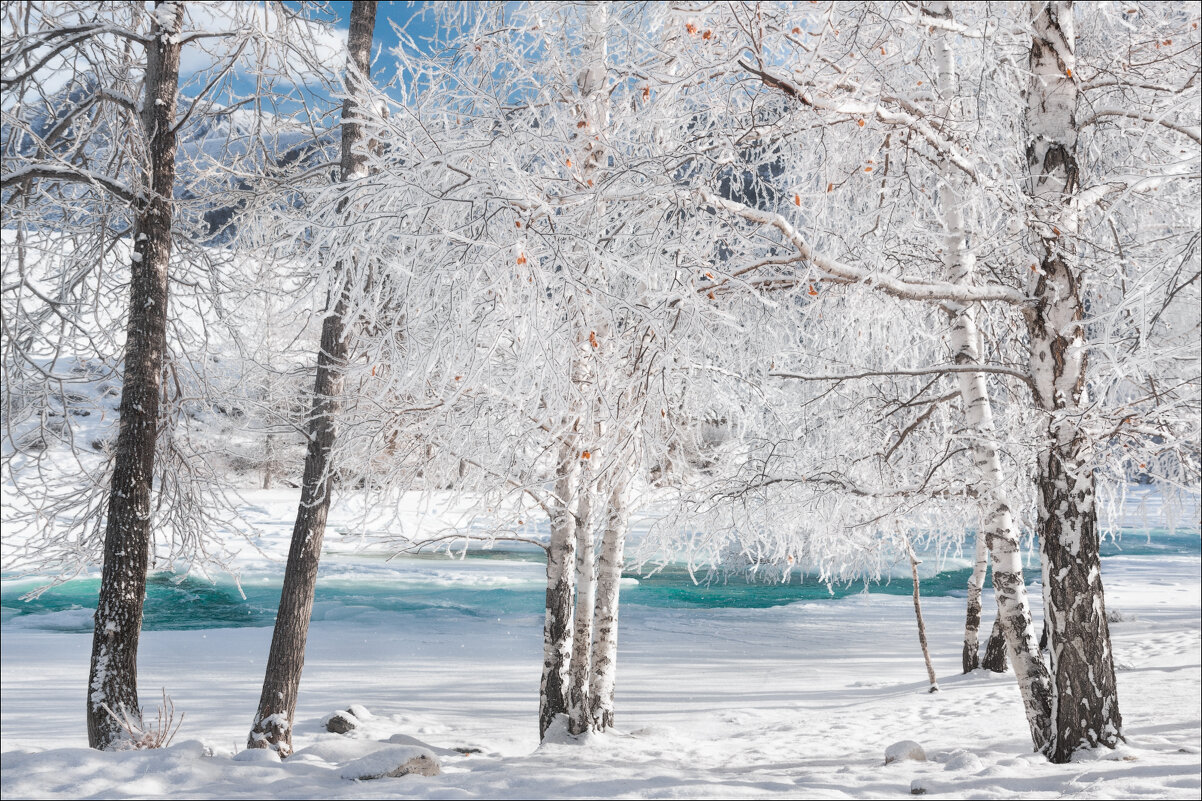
(798,700)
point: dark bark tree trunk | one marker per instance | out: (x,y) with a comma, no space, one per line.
(995,651)
(272,727)
(1084,712)
(113,675)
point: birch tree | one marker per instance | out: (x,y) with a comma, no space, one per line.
(564,295)
(852,72)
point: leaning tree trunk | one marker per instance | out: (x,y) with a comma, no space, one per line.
(272,727)
(586,593)
(1085,712)
(997,524)
(557,624)
(113,675)
(922,627)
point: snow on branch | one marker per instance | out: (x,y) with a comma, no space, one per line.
(72,174)
(890,285)
(939,370)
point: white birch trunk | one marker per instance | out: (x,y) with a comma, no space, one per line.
(592,114)
(1084,708)
(970,658)
(605,627)
(1001,535)
(557,625)
(582,637)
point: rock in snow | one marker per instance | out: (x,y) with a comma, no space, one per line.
(392,761)
(340,722)
(906,749)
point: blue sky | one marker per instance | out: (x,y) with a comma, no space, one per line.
(416,17)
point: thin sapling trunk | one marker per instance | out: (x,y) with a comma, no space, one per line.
(922,629)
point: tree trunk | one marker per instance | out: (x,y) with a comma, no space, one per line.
(566,655)
(995,651)
(605,626)
(557,625)
(272,727)
(1001,535)
(113,674)
(970,659)
(582,637)
(1084,708)
(922,629)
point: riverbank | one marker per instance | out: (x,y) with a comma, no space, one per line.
(788,701)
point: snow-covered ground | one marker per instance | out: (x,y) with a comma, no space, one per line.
(791,701)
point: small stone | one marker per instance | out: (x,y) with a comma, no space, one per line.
(906,749)
(340,722)
(917,788)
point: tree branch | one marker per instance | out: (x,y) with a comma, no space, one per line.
(890,285)
(69,174)
(950,368)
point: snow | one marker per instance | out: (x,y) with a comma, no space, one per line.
(788,701)
(905,750)
(383,763)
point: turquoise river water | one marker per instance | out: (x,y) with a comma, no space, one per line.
(508,584)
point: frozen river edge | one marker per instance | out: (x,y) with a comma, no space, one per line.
(791,701)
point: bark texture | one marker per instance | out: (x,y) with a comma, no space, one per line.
(995,652)
(1084,708)
(113,674)
(272,726)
